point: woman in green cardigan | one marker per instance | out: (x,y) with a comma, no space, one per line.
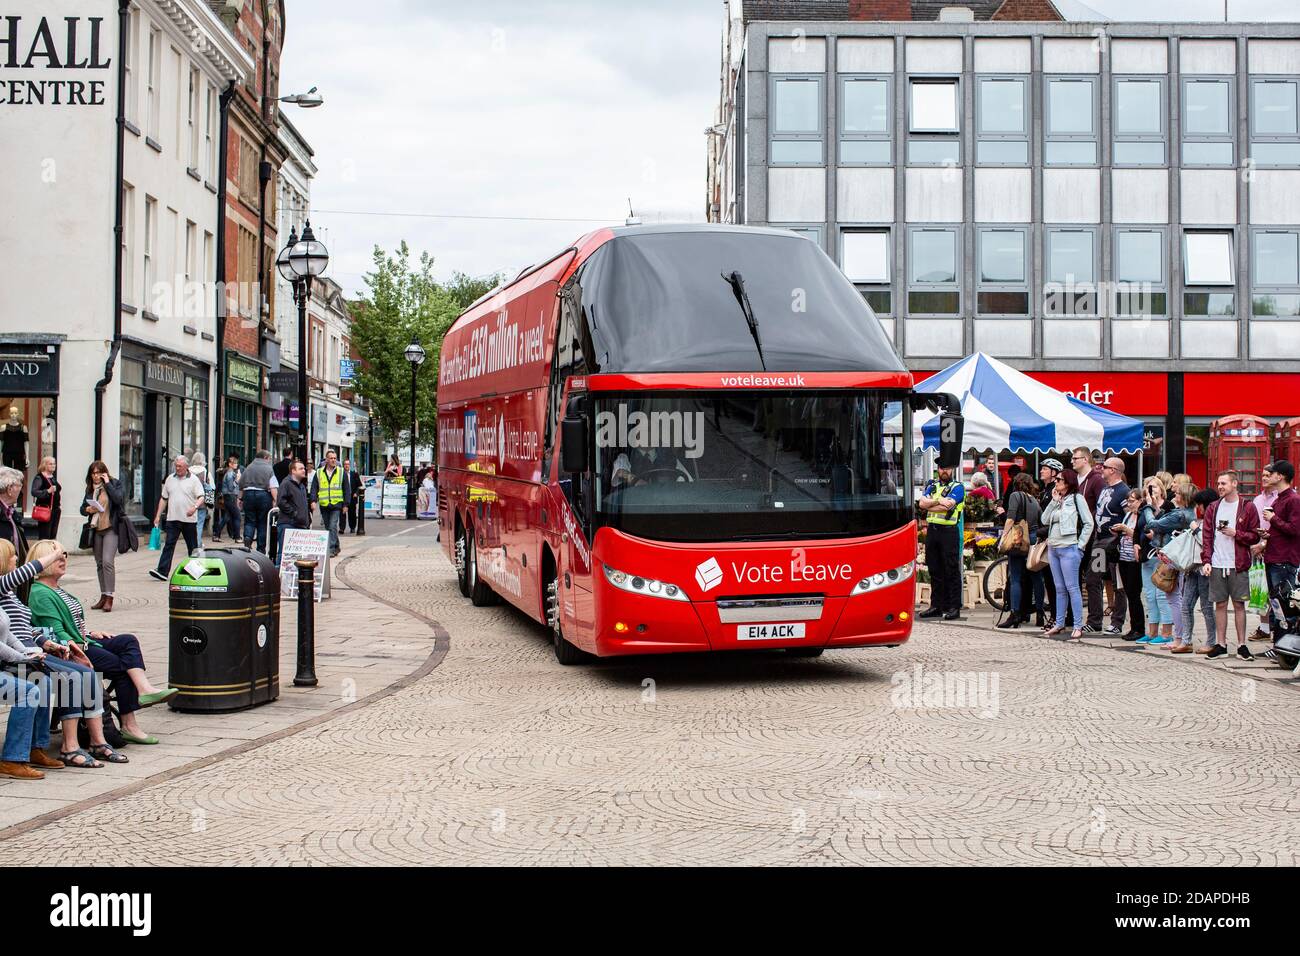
(116,656)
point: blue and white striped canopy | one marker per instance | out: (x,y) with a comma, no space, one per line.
(1006,409)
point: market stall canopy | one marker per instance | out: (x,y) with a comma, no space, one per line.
(1006,409)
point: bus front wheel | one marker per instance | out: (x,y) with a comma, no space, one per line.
(565,652)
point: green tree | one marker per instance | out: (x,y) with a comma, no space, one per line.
(467,290)
(402,302)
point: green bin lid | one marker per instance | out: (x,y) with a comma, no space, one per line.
(200,574)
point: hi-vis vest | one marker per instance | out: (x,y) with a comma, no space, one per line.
(330,492)
(952,517)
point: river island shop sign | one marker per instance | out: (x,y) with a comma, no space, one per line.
(243,379)
(54,61)
(29,370)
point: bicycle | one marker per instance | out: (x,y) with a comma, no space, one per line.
(996,585)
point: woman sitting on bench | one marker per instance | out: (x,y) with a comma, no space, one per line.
(78,694)
(116,656)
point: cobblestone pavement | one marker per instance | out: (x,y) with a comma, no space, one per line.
(351,663)
(1073,755)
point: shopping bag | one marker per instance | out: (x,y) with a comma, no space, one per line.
(155,540)
(1183,550)
(1164,575)
(1258,589)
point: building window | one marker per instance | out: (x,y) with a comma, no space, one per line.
(249,187)
(128,236)
(797,131)
(131,77)
(1274,124)
(210,135)
(153,79)
(1207,122)
(934,122)
(1071,272)
(865,259)
(1275,285)
(150,245)
(1002,286)
(191,250)
(192,118)
(1071,121)
(932,283)
(1139,121)
(1140,272)
(246,270)
(864,110)
(1001,118)
(1208,261)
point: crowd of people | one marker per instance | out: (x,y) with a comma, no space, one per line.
(1102,571)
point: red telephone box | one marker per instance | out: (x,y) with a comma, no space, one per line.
(1286,441)
(1240,443)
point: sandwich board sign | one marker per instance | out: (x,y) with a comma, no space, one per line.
(302,544)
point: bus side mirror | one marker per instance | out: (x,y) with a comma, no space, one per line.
(951,426)
(573,445)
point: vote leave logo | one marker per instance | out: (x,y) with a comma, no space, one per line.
(708,574)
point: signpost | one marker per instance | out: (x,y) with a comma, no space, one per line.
(304,545)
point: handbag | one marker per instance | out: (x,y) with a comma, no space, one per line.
(1037,559)
(87,536)
(1165,575)
(1015,537)
(41,514)
(1183,550)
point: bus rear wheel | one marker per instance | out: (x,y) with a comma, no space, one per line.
(565,653)
(462,556)
(805,651)
(480,594)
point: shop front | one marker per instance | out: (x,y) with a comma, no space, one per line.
(331,429)
(243,405)
(282,419)
(29,396)
(164,414)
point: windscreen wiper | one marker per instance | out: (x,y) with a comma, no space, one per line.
(737,283)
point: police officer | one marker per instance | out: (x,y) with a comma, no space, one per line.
(943,502)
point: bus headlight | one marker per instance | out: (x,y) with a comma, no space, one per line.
(650,587)
(884,579)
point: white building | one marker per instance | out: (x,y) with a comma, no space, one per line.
(91,365)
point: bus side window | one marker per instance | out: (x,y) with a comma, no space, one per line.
(568,360)
(577,488)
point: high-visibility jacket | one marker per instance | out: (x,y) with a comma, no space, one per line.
(330,493)
(952,517)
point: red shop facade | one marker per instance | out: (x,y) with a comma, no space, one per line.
(1177,407)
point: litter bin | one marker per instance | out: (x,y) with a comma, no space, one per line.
(225,631)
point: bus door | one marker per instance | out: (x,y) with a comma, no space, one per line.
(575,570)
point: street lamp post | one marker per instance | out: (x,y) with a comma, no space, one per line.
(300,261)
(414,355)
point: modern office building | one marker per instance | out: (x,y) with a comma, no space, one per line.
(1111,207)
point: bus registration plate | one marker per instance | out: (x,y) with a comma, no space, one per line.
(770,632)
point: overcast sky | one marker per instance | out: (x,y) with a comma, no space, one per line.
(553,109)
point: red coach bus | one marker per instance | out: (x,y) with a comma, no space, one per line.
(682,438)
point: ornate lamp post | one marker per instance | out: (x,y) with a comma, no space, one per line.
(300,261)
(414,355)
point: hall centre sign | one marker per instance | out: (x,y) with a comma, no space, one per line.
(66,44)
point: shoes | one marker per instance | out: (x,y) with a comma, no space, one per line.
(148,700)
(1055,629)
(1039,620)
(1181,649)
(1089,629)
(19,771)
(107,606)
(930,612)
(147,739)
(952,615)
(1244,653)
(1205,648)
(100,603)
(1261,635)
(1269,655)
(157,575)
(1133,636)
(1218,650)
(1159,640)
(1012,622)
(41,759)
(1144,639)
(1112,630)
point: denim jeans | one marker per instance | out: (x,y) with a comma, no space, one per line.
(78,690)
(227,517)
(29,715)
(1021,580)
(200,519)
(330,518)
(1175,599)
(175,530)
(1156,600)
(257,505)
(1065,563)
(1196,587)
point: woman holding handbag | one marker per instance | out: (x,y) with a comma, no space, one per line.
(1175,519)
(46,499)
(105,498)
(1159,618)
(1069,528)
(1023,515)
(1132,532)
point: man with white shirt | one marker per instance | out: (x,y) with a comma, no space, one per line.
(1231,526)
(1263,502)
(182,497)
